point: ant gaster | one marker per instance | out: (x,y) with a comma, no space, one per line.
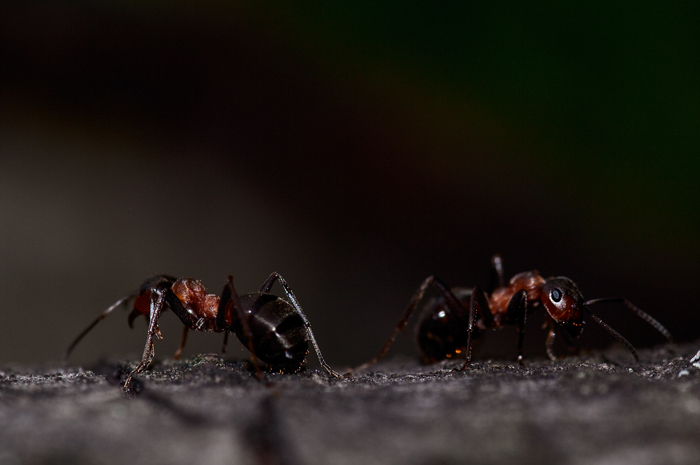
(274,329)
(453,321)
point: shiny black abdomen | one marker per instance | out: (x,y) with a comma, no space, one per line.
(279,336)
(443,332)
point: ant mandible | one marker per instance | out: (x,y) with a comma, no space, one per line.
(274,329)
(461,315)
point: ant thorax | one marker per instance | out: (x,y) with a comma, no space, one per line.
(530,281)
(195,299)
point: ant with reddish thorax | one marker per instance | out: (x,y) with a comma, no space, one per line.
(460,315)
(275,330)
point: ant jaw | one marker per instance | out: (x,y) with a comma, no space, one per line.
(573,328)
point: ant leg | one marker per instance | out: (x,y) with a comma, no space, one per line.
(223,346)
(551,336)
(292,298)
(267,285)
(102,316)
(223,312)
(496,276)
(174,304)
(230,298)
(178,353)
(157,303)
(477,305)
(403,322)
(412,305)
(482,309)
(473,305)
(639,312)
(517,313)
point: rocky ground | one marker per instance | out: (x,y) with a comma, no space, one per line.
(600,408)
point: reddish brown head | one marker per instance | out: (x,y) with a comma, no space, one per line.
(563,301)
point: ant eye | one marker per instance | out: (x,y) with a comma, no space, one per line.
(555,295)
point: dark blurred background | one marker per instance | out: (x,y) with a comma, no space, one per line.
(354,148)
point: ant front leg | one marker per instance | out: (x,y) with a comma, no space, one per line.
(265,289)
(552,335)
(187,318)
(157,302)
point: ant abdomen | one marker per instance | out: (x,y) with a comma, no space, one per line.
(279,337)
(442,333)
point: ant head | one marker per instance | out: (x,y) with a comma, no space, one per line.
(563,301)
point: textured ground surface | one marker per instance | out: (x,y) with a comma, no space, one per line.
(595,409)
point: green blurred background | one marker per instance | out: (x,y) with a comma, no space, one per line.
(356,148)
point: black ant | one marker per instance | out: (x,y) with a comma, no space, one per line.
(451,322)
(274,329)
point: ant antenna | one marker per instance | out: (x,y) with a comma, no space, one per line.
(639,312)
(102,316)
(617,335)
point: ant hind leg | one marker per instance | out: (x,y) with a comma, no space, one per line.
(417,297)
(223,346)
(230,299)
(292,298)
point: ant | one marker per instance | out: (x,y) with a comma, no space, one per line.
(274,329)
(460,315)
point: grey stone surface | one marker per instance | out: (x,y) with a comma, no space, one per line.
(599,408)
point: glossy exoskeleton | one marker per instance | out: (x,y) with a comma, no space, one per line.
(453,321)
(275,330)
